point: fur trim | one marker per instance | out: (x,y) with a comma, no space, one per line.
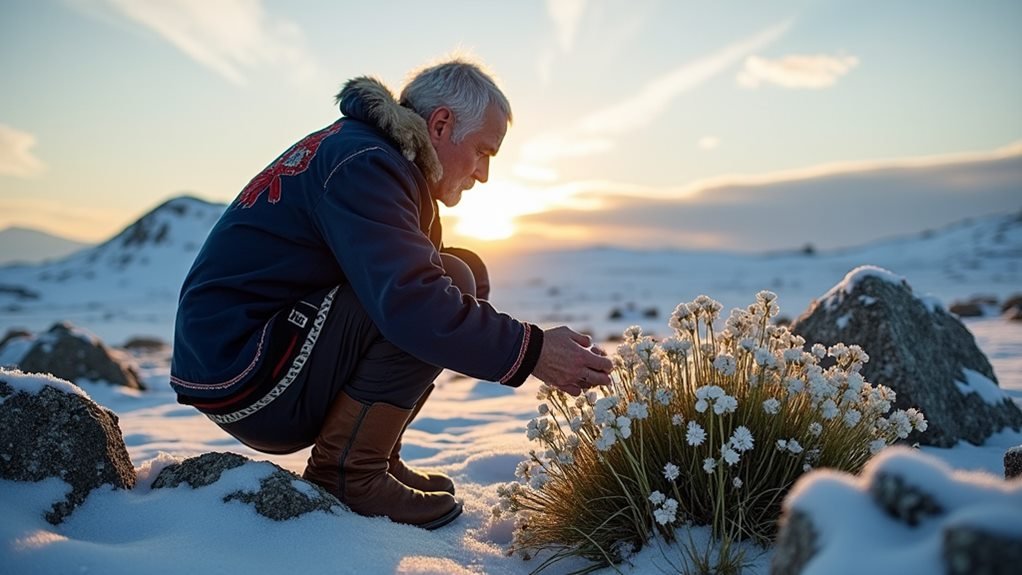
(402,124)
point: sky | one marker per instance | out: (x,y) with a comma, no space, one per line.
(643,123)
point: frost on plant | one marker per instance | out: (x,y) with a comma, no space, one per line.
(710,426)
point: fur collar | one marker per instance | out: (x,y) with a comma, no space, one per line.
(366,98)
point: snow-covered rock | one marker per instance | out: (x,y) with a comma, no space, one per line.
(51,428)
(917,349)
(907,513)
(1013,462)
(69,352)
(275,493)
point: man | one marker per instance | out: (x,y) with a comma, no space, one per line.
(323,305)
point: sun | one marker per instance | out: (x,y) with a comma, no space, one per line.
(488,212)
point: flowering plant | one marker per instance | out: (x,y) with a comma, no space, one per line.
(706,427)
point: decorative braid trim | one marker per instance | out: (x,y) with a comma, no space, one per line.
(292,372)
(528,356)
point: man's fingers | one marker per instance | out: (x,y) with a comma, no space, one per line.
(581,339)
(600,363)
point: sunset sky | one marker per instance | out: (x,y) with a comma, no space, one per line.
(724,125)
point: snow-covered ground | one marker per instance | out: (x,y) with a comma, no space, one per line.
(470,429)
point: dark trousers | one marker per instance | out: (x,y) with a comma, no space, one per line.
(350,355)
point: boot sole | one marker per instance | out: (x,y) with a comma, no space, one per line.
(444,519)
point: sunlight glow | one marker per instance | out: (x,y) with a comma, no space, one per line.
(489,212)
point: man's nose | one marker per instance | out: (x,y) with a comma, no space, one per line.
(482,172)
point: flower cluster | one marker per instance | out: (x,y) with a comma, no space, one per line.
(709,427)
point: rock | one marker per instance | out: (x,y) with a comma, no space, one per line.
(145,344)
(1014,301)
(73,354)
(14,333)
(917,349)
(1013,463)
(50,428)
(966,309)
(282,494)
(971,551)
(1013,313)
(965,523)
(796,544)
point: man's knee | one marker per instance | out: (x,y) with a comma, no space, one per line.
(467,270)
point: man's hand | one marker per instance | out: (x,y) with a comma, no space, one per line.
(569,363)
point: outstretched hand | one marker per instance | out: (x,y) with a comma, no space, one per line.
(570,362)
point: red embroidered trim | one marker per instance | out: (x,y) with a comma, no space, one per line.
(521,355)
(291,163)
(233,380)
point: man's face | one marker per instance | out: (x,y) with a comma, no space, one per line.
(468,161)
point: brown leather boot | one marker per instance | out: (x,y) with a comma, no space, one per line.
(349,459)
(413,477)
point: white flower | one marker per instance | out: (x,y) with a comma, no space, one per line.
(656,498)
(806,468)
(726,404)
(664,396)
(522,470)
(747,343)
(741,439)
(606,439)
(677,419)
(725,364)
(543,409)
(671,471)
(815,428)
(737,482)
(901,422)
(829,409)
(917,419)
(794,446)
(576,423)
(764,357)
(701,405)
(543,392)
(591,397)
(772,406)
(766,296)
(638,410)
(818,350)
(730,455)
(667,513)
(793,355)
(794,385)
(876,445)
(695,434)
(852,417)
(709,464)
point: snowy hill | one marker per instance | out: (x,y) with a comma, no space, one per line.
(129,284)
(27,246)
(134,276)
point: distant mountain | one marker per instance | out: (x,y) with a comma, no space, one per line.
(27,246)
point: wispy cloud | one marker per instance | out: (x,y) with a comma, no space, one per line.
(230,37)
(16,158)
(805,71)
(566,16)
(594,132)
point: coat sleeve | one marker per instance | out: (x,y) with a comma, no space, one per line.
(369,217)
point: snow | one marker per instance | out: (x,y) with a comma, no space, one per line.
(976,382)
(841,508)
(470,429)
(33,383)
(845,287)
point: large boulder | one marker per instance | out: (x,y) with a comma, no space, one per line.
(917,349)
(281,494)
(910,511)
(50,428)
(71,353)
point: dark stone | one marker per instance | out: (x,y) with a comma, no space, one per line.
(966,309)
(279,496)
(1013,313)
(796,544)
(70,354)
(144,344)
(55,433)
(917,350)
(1013,463)
(973,551)
(14,333)
(901,500)
(1014,301)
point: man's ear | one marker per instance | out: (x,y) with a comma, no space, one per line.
(440,124)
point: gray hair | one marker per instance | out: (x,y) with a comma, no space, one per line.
(460,85)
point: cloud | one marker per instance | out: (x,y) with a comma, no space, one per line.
(796,71)
(566,16)
(592,133)
(230,37)
(16,157)
(829,206)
